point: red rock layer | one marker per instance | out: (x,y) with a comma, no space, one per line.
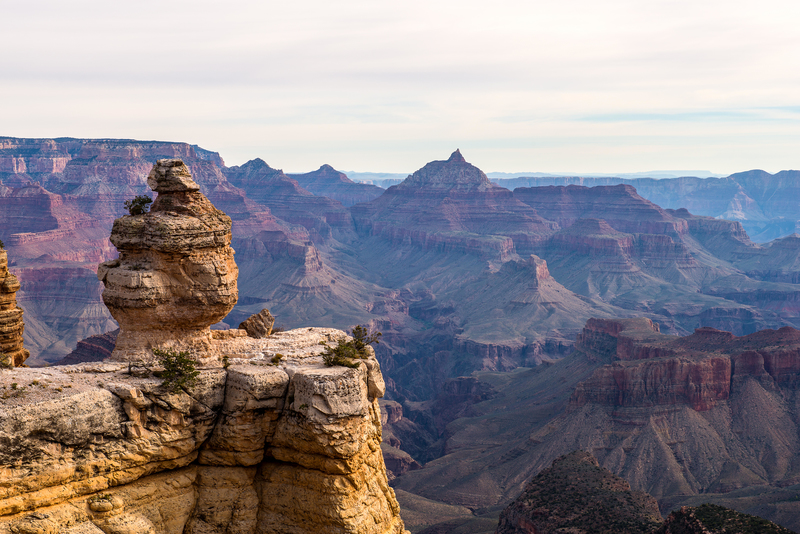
(651,369)
(619,205)
(284,197)
(30,158)
(94,348)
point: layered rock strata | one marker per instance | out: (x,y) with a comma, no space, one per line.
(648,368)
(12,352)
(175,274)
(452,206)
(252,448)
(251,436)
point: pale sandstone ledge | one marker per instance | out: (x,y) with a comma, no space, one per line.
(252,448)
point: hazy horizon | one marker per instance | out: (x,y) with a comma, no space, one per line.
(596,88)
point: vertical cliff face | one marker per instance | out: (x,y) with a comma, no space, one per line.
(175,275)
(11,350)
(265,439)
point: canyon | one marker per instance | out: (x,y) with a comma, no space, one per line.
(496,307)
(185,430)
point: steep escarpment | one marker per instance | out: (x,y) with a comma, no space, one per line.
(232,434)
(619,205)
(27,160)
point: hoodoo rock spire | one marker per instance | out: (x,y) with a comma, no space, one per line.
(12,353)
(175,275)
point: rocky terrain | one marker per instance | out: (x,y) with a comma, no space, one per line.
(709,417)
(760,201)
(244,435)
(712,519)
(461,276)
(328,182)
(576,495)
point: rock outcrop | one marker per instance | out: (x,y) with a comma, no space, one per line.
(651,369)
(270,187)
(259,325)
(12,351)
(175,274)
(576,495)
(252,448)
(713,519)
(258,435)
(94,348)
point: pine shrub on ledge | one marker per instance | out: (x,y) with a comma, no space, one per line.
(346,352)
(179,369)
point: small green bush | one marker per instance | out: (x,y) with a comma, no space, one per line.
(277,358)
(345,352)
(2,245)
(139,205)
(179,369)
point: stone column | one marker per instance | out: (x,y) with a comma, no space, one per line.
(175,275)
(12,353)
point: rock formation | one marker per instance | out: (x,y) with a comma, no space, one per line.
(576,495)
(321,216)
(452,206)
(263,439)
(713,519)
(12,352)
(258,325)
(328,182)
(94,348)
(175,274)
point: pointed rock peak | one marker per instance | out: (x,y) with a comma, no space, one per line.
(257,163)
(457,157)
(454,173)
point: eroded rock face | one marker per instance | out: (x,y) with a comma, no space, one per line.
(11,326)
(175,275)
(252,448)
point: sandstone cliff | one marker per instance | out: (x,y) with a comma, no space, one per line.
(251,448)
(264,439)
(12,351)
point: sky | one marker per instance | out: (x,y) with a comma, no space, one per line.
(575,85)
